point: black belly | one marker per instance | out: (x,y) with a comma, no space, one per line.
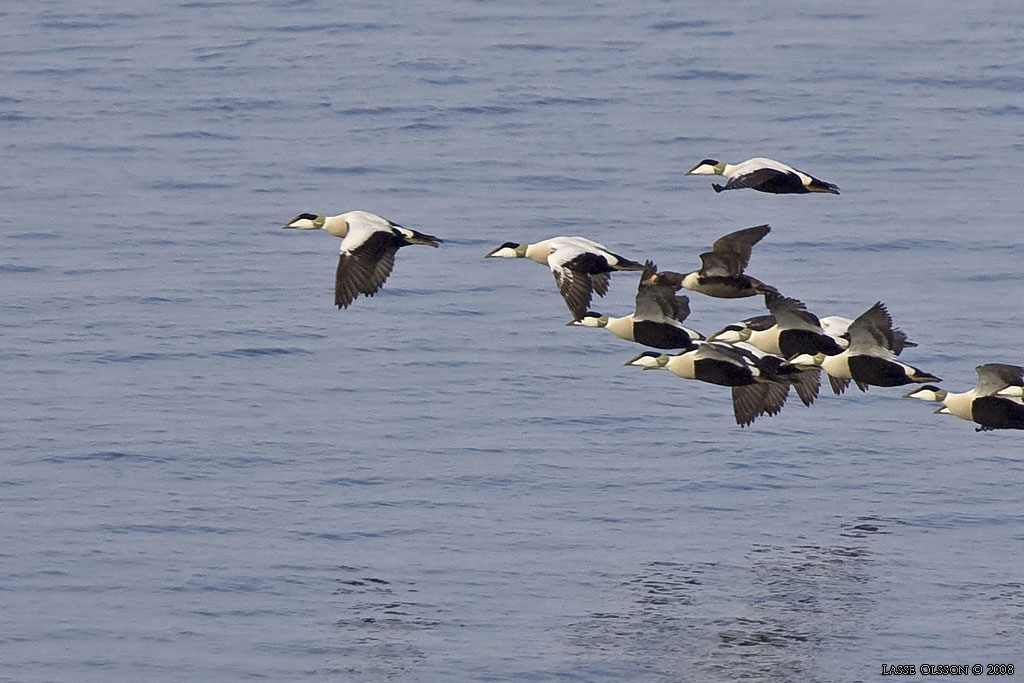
(877,372)
(721,372)
(782,183)
(660,335)
(792,342)
(994,412)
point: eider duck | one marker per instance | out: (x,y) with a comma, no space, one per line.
(869,360)
(657,320)
(763,175)
(755,388)
(580,266)
(721,274)
(986,404)
(368,246)
(795,330)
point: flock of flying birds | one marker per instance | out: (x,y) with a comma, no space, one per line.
(759,358)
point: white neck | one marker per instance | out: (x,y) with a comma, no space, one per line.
(336,225)
(838,365)
(682,366)
(766,340)
(621,327)
(539,252)
(960,404)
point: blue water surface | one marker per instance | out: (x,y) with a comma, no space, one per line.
(212,474)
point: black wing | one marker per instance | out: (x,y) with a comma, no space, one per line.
(656,301)
(735,247)
(872,328)
(789,312)
(577,289)
(364,269)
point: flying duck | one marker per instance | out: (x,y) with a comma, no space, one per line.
(836,327)
(764,175)
(755,388)
(721,274)
(795,330)
(580,266)
(657,320)
(368,248)
(986,404)
(869,360)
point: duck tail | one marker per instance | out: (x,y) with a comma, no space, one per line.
(421,238)
(924,377)
(626,264)
(821,186)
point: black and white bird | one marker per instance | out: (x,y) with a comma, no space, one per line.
(994,403)
(657,320)
(581,266)
(721,274)
(756,389)
(368,246)
(869,360)
(764,175)
(794,330)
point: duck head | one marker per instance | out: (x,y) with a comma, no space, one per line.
(649,360)
(708,167)
(508,250)
(589,319)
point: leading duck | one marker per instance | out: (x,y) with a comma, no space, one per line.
(581,266)
(994,403)
(368,246)
(763,175)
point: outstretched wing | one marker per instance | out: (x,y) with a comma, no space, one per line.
(365,262)
(578,273)
(735,247)
(993,377)
(577,289)
(789,313)
(657,301)
(871,331)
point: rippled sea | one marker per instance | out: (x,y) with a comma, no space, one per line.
(209,473)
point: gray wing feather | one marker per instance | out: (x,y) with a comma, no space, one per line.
(838,384)
(790,313)
(806,383)
(871,330)
(737,245)
(748,402)
(993,377)
(714,264)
